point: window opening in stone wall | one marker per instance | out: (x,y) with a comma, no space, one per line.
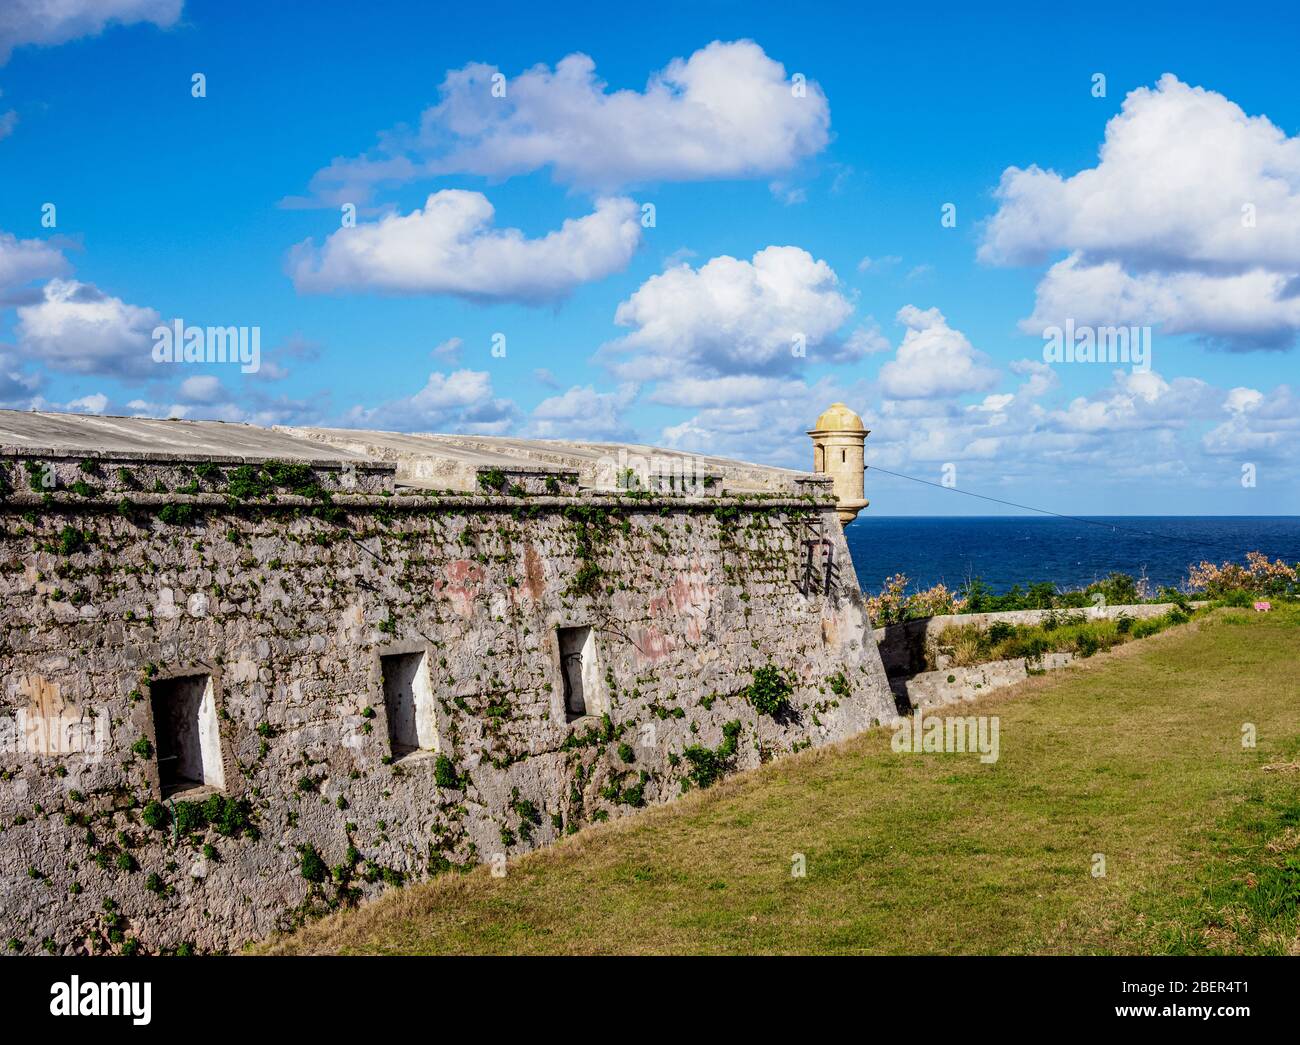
(187,733)
(412,725)
(577,671)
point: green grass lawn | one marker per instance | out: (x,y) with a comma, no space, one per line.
(1135,754)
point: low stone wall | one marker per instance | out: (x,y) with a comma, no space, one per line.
(323,627)
(952,685)
(902,646)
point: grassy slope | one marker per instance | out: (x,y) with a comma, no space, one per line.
(1136,754)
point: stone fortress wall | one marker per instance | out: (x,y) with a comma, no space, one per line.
(247,675)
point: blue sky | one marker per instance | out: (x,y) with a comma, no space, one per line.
(778,215)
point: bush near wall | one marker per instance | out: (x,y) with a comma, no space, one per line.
(1239,584)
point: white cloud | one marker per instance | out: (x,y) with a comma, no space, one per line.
(870,264)
(730,317)
(790,195)
(203,388)
(865,341)
(1042,378)
(8,121)
(95,403)
(755,419)
(25,260)
(1190,219)
(1243,400)
(933,360)
(1266,425)
(727,111)
(1139,402)
(49,22)
(76,327)
(450,247)
(995,404)
(144,408)
(1242,310)
(584,413)
(462,401)
(448,351)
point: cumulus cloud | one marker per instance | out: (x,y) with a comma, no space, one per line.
(24,260)
(755,419)
(77,328)
(95,403)
(450,247)
(462,401)
(866,340)
(727,111)
(584,413)
(1256,309)
(1137,402)
(1039,377)
(1191,220)
(49,22)
(203,388)
(933,360)
(1265,424)
(730,316)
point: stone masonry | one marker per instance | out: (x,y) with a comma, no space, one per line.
(249,675)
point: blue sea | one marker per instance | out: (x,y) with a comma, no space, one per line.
(1007,550)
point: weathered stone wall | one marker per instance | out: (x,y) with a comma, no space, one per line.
(903,646)
(955,684)
(287,599)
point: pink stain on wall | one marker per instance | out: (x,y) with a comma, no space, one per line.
(463,580)
(689,597)
(652,645)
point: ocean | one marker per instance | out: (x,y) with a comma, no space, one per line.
(1007,550)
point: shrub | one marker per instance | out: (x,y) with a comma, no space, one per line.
(176,514)
(71,540)
(1000,631)
(312,866)
(1118,589)
(445,775)
(770,691)
(894,604)
(1260,576)
(709,765)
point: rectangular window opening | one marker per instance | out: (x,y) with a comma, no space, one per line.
(579,673)
(412,725)
(187,734)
